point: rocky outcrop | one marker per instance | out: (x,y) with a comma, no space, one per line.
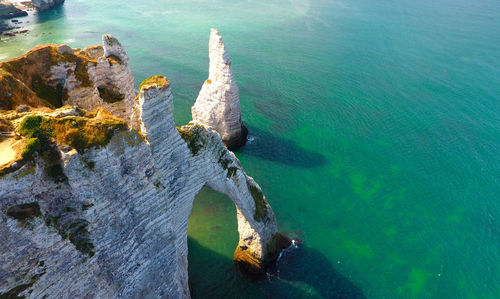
(57,75)
(42,5)
(218,104)
(8,10)
(90,207)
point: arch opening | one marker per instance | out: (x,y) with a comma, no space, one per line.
(212,239)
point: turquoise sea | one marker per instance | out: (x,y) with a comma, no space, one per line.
(375,134)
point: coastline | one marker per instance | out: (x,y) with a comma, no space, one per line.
(351,118)
(11,25)
(16,15)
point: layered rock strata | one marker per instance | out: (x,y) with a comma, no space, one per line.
(92,208)
(53,75)
(42,5)
(218,103)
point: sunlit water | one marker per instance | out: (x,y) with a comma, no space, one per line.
(375,131)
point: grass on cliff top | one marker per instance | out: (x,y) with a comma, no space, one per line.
(13,92)
(154,81)
(192,136)
(80,132)
(33,70)
(43,133)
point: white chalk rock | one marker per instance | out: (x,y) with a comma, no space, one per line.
(218,103)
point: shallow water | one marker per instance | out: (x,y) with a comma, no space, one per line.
(375,126)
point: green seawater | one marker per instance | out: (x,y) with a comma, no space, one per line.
(375,134)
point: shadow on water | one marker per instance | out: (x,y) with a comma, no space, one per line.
(4,25)
(304,273)
(269,147)
(308,266)
(55,13)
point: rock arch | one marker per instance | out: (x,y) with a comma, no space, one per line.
(259,240)
(116,225)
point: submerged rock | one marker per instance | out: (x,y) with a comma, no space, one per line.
(92,208)
(218,104)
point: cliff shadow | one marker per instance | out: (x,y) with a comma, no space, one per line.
(312,272)
(269,147)
(303,273)
(4,25)
(52,14)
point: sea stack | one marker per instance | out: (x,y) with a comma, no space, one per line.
(91,207)
(218,104)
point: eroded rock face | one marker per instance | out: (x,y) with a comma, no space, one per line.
(42,5)
(56,75)
(98,210)
(8,10)
(218,104)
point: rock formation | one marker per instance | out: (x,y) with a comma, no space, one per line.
(8,10)
(56,75)
(90,207)
(42,5)
(218,104)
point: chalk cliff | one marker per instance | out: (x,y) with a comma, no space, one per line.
(55,75)
(91,207)
(42,5)
(218,103)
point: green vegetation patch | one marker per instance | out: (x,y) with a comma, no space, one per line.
(224,162)
(260,202)
(32,146)
(79,236)
(15,291)
(158,81)
(81,65)
(43,132)
(95,129)
(231,171)
(34,68)
(192,136)
(74,230)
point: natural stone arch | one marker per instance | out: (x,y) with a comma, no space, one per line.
(112,221)
(259,240)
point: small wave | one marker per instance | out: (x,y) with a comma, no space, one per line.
(293,246)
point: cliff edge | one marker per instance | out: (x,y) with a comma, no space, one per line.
(52,75)
(93,206)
